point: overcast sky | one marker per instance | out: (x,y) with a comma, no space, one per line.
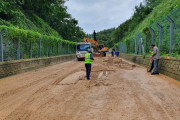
(100,14)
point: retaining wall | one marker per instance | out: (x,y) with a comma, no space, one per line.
(14,67)
(169,67)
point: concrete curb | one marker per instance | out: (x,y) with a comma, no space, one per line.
(169,67)
(19,66)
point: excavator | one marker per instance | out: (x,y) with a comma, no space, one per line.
(97,48)
(82,48)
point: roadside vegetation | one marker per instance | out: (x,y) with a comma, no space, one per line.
(45,17)
(145,14)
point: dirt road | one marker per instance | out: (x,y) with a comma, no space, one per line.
(118,90)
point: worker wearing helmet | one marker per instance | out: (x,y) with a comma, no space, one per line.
(88,61)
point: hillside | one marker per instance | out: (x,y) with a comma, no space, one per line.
(144,16)
(158,15)
(42,17)
(159,11)
(103,37)
(32,29)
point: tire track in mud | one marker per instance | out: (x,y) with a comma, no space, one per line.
(117,90)
(38,81)
(43,84)
(33,75)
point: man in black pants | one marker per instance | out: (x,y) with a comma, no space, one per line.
(152,66)
(88,61)
(155,57)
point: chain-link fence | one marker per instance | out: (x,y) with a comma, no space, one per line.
(18,44)
(165,33)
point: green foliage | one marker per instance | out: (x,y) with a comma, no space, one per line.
(128,26)
(12,15)
(103,37)
(46,17)
(28,35)
(162,9)
(158,15)
(175,54)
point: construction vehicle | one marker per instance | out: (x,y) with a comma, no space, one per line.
(97,48)
(81,49)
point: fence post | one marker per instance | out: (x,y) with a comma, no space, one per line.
(121,47)
(61,49)
(139,47)
(171,33)
(52,50)
(153,35)
(40,47)
(57,48)
(68,49)
(47,51)
(135,45)
(18,49)
(130,45)
(142,46)
(31,49)
(1,47)
(160,34)
(146,37)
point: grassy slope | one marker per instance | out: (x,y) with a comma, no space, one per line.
(161,10)
(28,21)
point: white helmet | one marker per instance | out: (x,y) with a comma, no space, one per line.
(89,50)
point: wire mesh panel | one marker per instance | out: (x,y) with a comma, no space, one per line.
(10,46)
(165,33)
(18,44)
(132,46)
(175,15)
(168,36)
(122,47)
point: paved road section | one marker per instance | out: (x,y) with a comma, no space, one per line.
(118,90)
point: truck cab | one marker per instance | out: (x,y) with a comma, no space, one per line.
(82,49)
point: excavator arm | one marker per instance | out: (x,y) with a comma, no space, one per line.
(97,47)
(91,41)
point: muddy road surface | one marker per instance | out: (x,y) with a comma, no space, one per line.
(118,90)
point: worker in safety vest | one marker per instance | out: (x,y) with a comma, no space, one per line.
(88,61)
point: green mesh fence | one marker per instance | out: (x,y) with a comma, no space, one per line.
(18,44)
(166,40)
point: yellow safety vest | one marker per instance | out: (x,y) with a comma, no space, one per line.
(88,58)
